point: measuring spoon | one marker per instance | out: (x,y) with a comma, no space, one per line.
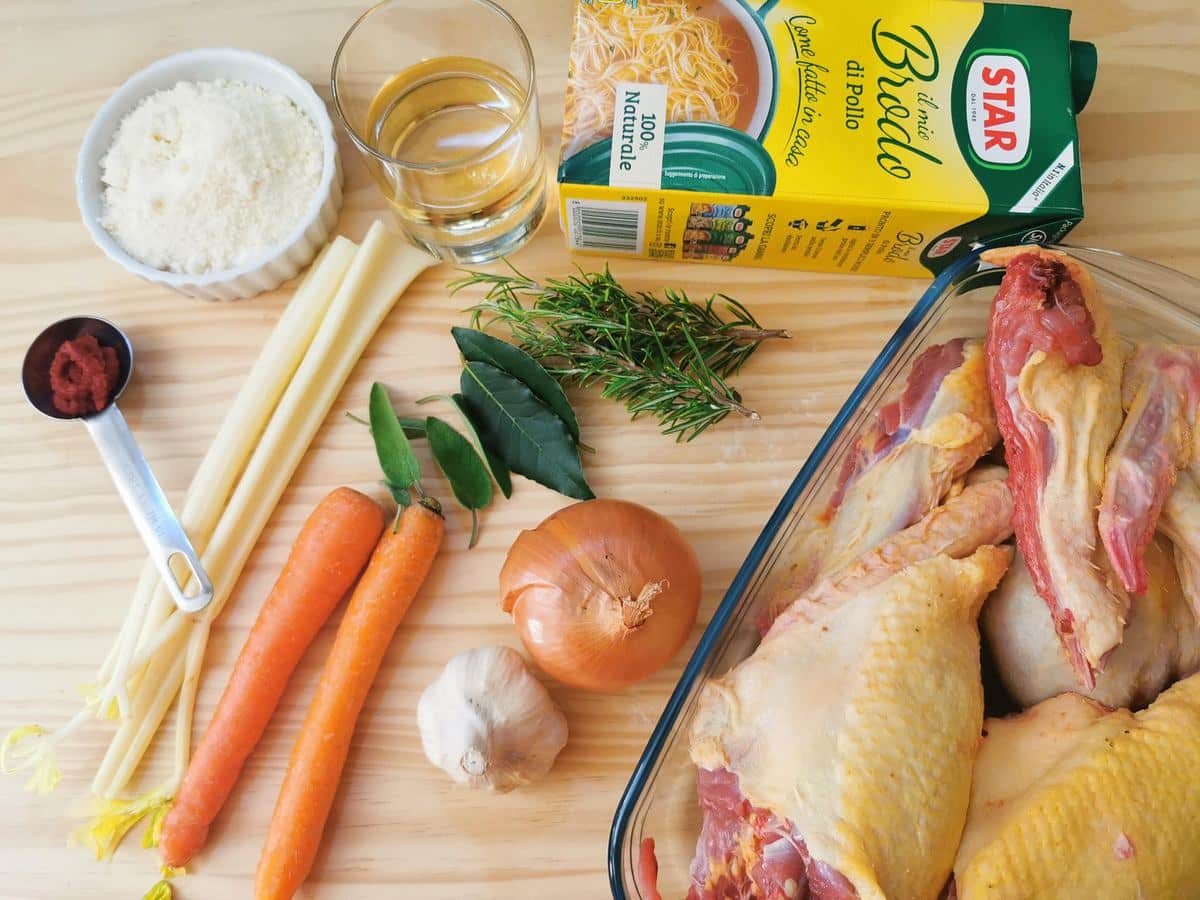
(156,523)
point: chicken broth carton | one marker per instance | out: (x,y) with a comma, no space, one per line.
(879,137)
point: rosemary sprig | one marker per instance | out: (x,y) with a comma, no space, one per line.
(667,357)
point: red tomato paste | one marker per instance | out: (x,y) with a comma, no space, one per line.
(82,376)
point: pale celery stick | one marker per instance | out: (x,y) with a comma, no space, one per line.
(274,369)
(168,630)
(234,442)
(256,401)
(186,707)
(157,679)
(383,268)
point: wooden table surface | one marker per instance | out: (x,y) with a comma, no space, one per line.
(69,556)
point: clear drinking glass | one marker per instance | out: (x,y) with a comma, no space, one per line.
(440,100)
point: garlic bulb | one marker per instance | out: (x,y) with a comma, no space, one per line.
(488,722)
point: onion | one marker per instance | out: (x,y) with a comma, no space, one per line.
(603,593)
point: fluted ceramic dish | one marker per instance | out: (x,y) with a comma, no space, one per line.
(1148,302)
(277,265)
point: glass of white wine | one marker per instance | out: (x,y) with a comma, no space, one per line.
(440,99)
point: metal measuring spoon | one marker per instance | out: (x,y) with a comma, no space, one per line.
(156,523)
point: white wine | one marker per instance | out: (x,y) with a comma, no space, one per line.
(464,159)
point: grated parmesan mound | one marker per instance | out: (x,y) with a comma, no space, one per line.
(210,175)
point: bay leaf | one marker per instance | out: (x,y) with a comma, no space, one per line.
(476,346)
(522,431)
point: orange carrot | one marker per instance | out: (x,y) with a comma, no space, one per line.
(393,576)
(329,553)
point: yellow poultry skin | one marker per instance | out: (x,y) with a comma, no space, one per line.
(859,723)
(1081,408)
(911,480)
(960,427)
(1074,802)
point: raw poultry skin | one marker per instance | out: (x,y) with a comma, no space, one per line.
(836,760)
(902,466)
(1162,642)
(1054,365)
(1160,393)
(1154,468)
(1073,802)
(1180,521)
(979,514)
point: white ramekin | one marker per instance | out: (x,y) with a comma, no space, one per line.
(295,251)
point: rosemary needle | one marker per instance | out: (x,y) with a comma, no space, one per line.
(666,357)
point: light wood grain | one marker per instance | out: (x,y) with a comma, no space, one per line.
(69,556)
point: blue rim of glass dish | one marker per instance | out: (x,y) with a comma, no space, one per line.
(716,627)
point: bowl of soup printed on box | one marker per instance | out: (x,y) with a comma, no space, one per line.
(713,57)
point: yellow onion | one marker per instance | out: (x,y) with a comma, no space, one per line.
(603,593)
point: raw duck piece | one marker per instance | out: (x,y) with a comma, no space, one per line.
(1180,521)
(808,547)
(1073,802)
(918,445)
(1054,366)
(1162,642)
(1160,393)
(901,467)
(836,761)
(980,514)
(985,472)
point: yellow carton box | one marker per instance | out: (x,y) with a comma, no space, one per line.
(875,137)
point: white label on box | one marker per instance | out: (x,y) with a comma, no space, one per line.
(639,131)
(1059,169)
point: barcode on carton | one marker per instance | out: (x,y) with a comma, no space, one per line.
(609,225)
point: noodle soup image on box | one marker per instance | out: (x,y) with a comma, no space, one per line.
(879,137)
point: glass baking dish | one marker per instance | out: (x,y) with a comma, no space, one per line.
(1147,301)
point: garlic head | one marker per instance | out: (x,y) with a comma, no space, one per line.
(488,722)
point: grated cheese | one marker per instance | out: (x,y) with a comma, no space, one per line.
(207,176)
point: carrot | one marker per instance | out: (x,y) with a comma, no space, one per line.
(393,576)
(330,551)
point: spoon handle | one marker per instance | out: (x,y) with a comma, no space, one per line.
(156,523)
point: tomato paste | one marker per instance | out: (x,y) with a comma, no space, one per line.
(82,376)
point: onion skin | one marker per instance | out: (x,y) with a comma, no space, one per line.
(603,593)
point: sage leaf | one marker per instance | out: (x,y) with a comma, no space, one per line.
(396,458)
(460,463)
(476,346)
(522,431)
(413,428)
(400,495)
(495,464)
